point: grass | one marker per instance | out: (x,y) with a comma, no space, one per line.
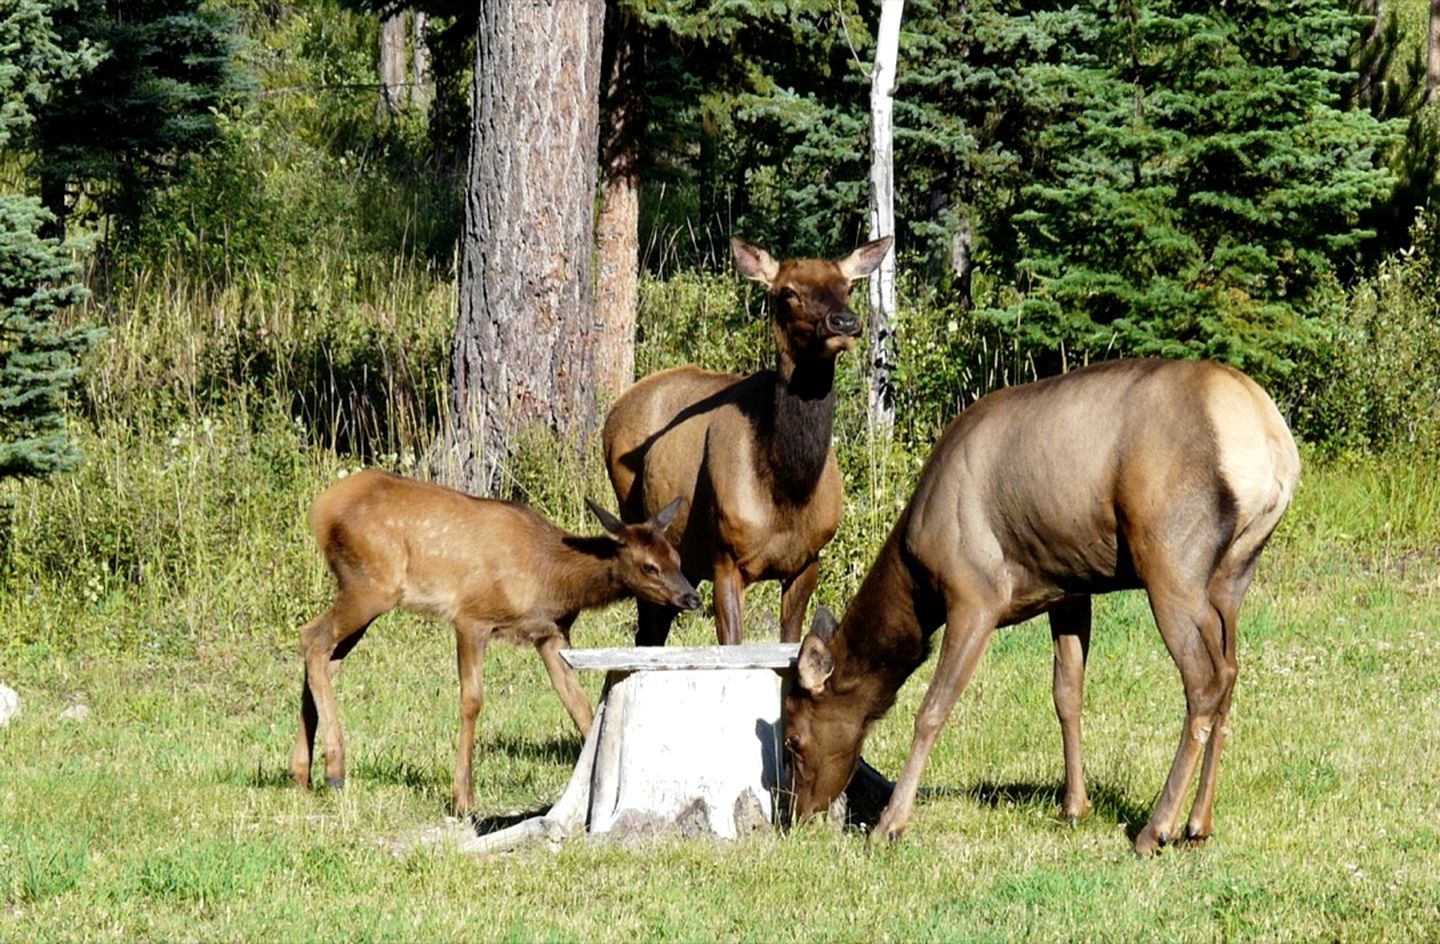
(168,814)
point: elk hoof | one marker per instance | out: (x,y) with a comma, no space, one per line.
(1194,834)
(1149,842)
(335,783)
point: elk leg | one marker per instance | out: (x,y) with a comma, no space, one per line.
(794,598)
(470,641)
(966,636)
(1070,629)
(323,643)
(303,753)
(566,685)
(1226,601)
(654,621)
(1187,625)
(729,601)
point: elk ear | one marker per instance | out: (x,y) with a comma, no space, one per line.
(814,664)
(754,262)
(612,525)
(823,625)
(866,259)
(663,518)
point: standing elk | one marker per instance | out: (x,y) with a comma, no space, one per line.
(751,454)
(490,567)
(1166,476)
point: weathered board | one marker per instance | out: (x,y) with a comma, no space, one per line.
(778,655)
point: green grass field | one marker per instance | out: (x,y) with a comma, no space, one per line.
(168,813)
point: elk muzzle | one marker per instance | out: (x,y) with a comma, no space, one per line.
(842,323)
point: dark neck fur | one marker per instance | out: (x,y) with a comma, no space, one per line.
(795,431)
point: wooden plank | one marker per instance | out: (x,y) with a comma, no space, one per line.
(777,655)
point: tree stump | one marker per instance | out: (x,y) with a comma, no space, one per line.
(693,750)
(685,741)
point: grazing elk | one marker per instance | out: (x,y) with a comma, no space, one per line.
(490,567)
(1167,476)
(751,454)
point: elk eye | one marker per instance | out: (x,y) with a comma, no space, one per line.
(788,294)
(651,570)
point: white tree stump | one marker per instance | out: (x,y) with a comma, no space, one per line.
(686,741)
(695,750)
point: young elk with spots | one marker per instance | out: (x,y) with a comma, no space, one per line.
(1165,476)
(491,568)
(751,454)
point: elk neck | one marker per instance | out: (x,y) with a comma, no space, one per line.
(584,573)
(795,432)
(886,631)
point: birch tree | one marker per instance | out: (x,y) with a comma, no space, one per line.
(882,218)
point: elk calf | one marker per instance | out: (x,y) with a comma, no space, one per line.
(750,454)
(490,567)
(1167,476)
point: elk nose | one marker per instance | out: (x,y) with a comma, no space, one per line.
(843,322)
(690,601)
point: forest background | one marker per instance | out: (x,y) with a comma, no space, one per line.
(228,275)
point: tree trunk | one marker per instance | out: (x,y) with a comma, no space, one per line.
(392,66)
(882,219)
(1370,62)
(962,265)
(1432,56)
(618,225)
(422,83)
(524,340)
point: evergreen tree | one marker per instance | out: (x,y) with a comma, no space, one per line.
(38,357)
(126,126)
(1196,182)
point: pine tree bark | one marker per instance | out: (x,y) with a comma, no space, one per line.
(524,339)
(618,226)
(882,219)
(393,61)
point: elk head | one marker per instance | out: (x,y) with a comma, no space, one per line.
(647,563)
(823,733)
(809,299)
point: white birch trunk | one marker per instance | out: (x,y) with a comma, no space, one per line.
(882,218)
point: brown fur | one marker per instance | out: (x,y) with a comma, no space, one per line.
(752,454)
(1166,476)
(491,568)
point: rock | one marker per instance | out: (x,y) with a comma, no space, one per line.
(75,713)
(9,704)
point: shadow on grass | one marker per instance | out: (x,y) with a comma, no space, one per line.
(560,749)
(1106,802)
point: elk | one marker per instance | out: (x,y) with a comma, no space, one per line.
(492,568)
(750,454)
(1166,476)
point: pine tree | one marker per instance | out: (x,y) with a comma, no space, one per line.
(126,126)
(38,279)
(1197,181)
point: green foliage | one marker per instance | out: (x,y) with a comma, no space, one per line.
(39,355)
(127,126)
(755,116)
(1376,384)
(1198,183)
